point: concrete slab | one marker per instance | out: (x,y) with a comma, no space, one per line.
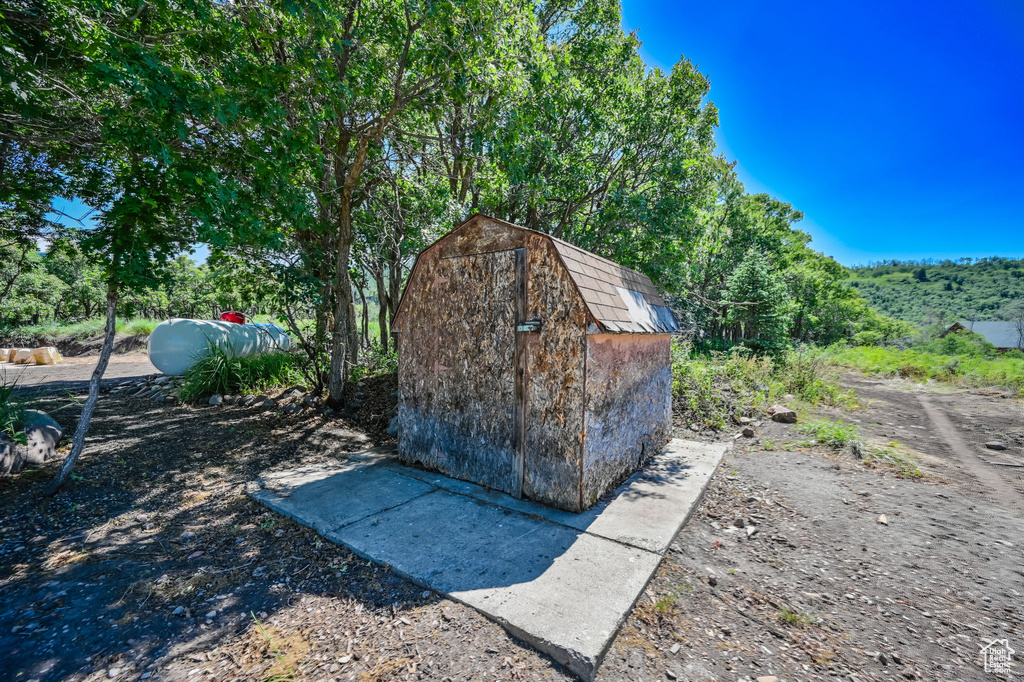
(327,498)
(562,582)
(672,481)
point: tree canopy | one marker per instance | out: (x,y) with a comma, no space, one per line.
(318,146)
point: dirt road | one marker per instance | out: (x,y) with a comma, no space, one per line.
(74,375)
(155,563)
(949,428)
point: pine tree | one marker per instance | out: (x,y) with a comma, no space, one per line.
(761,308)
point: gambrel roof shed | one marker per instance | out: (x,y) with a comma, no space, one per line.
(531,366)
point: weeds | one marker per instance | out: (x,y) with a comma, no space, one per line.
(893,456)
(794,618)
(222,372)
(12,412)
(808,375)
(665,604)
(714,388)
(282,660)
(836,435)
(374,362)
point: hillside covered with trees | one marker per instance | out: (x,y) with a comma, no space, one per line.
(943,291)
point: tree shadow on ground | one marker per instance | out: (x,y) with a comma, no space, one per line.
(155,559)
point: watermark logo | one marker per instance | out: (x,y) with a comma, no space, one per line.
(996,656)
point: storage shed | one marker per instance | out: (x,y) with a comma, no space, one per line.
(531,366)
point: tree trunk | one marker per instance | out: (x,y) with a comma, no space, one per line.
(365,319)
(341,332)
(383,299)
(78,442)
(394,289)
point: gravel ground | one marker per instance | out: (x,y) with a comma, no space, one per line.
(154,563)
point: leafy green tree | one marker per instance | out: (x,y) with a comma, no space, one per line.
(760,308)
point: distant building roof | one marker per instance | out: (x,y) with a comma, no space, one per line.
(999,334)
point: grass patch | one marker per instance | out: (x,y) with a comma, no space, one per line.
(714,388)
(836,435)
(920,365)
(666,603)
(839,435)
(793,618)
(49,332)
(893,456)
(221,372)
(138,326)
(12,412)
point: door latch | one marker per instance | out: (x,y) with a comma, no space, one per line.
(529,326)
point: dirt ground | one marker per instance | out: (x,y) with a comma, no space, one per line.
(73,376)
(155,564)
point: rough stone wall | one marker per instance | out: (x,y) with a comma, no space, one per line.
(628,408)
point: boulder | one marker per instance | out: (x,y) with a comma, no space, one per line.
(43,433)
(23,356)
(782,414)
(5,354)
(393,427)
(10,456)
(47,355)
(996,445)
(216,400)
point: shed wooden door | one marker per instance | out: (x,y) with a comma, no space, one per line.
(478,399)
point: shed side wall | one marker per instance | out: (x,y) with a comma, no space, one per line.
(628,409)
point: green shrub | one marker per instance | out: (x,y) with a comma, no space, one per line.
(960,343)
(221,372)
(714,387)
(711,388)
(809,376)
(867,338)
(374,362)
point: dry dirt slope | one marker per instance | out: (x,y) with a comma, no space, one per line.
(155,563)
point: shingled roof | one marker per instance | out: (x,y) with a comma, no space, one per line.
(620,299)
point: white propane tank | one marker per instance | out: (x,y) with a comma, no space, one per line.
(177,344)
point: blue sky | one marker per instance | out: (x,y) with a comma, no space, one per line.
(897,127)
